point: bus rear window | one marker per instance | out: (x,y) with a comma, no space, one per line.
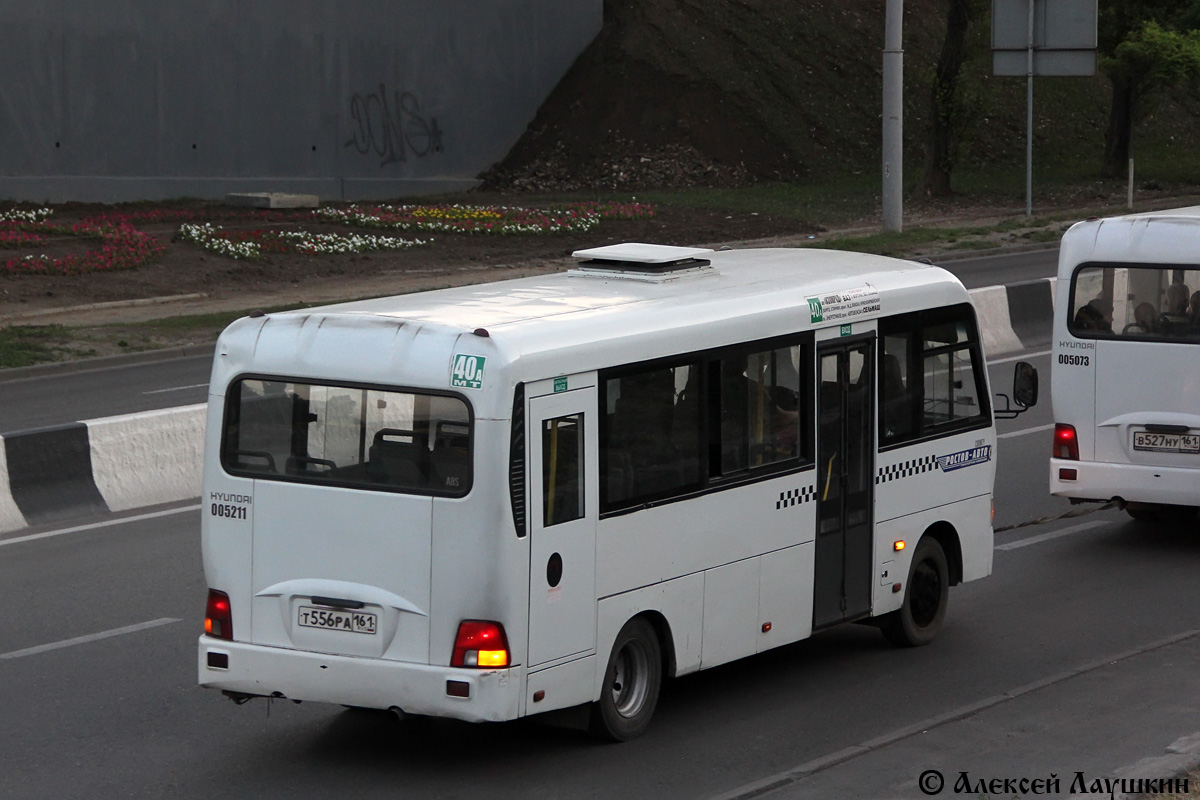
(1136,302)
(350,436)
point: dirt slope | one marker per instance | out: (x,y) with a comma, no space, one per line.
(683,92)
(677,93)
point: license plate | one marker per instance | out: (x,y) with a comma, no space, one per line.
(1166,442)
(337,620)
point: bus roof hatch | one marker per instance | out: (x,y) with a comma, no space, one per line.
(642,261)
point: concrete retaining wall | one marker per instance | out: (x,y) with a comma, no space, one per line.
(358,99)
(137,460)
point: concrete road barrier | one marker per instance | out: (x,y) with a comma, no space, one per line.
(149,458)
(137,460)
(1015,317)
(113,464)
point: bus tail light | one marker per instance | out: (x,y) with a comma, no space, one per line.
(480,643)
(1066,444)
(218,616)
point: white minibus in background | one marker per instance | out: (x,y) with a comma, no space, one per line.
(1125,374)
(495,501)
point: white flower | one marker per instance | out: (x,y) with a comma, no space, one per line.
(18,215)
(216,240)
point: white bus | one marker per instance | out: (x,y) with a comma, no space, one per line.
(1125,373)
(495,501)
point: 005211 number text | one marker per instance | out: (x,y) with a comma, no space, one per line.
(228,511)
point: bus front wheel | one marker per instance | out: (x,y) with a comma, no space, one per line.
(631,684)
(926,594)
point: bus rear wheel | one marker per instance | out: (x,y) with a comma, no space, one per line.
(926,594)
(631,684)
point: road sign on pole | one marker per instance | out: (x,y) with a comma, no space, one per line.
(1042,37)
(1063,37)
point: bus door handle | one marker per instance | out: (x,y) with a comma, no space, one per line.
(1167,428)
(337,602)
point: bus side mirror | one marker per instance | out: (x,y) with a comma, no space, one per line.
(1025,384)
(1025,392)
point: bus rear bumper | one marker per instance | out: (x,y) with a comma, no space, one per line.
(1097,480)
(493,695)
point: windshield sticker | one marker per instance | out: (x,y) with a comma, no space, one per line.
(467,372)
(965,458)
(843,305)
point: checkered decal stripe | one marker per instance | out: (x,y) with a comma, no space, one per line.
(906,469)
(794,497)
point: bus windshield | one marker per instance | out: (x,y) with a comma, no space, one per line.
(351,436)
(1136,302)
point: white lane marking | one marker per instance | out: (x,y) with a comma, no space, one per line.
(176,388)
(91,637)
(92,526)
(1025,431)
(1045,537)
(1021,357)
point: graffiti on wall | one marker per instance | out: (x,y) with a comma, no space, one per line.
(392,127)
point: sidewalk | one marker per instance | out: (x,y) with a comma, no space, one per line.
(1142,713)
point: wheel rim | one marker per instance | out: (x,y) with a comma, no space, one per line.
(630,682)
(925,594)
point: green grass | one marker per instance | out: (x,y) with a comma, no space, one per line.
(1020,230)
(25,345)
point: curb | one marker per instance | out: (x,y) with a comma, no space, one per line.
(135,303)
(119,463)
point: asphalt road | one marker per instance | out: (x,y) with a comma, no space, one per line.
(1002,269)
(98,695)
(72,396)
(65,397)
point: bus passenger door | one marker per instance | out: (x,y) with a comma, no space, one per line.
(845,472)
(563,500)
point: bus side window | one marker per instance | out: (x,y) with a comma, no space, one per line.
(895,399)
(562,469)
(930,374)
(760,408)
(651,441)
(951,389)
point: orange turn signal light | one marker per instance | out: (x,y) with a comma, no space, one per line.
(898,545)
(493,658)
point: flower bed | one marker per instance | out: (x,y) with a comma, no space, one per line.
(122,246)
(253,244)
(501,220)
